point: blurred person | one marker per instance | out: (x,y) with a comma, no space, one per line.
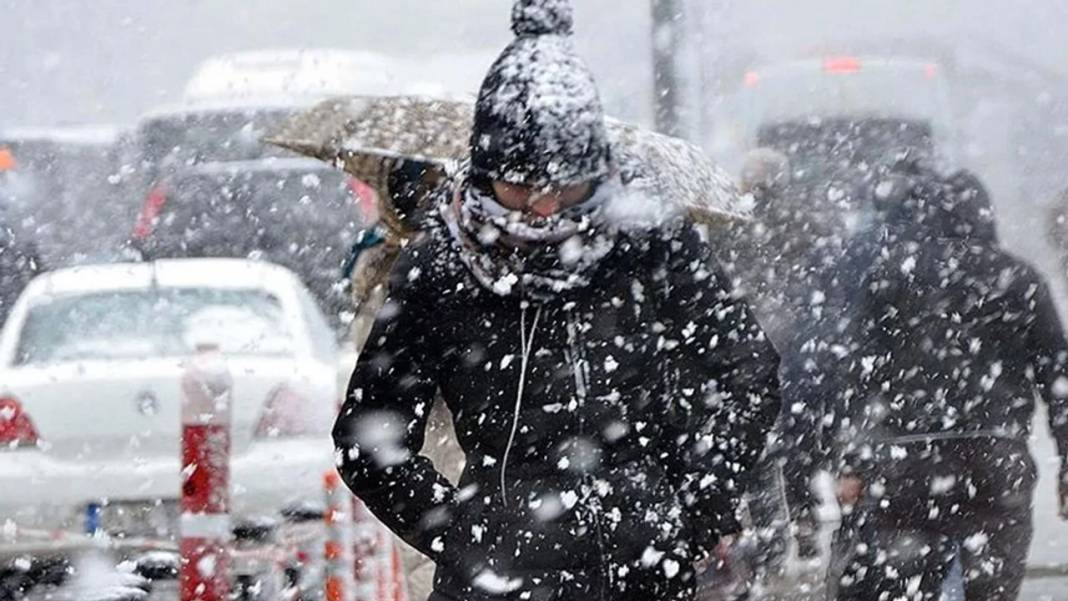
(19,263)
(772,266)
(1057,232)
(772,260)
(932,395)
(609,391)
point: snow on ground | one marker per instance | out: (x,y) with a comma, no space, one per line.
(1050,545)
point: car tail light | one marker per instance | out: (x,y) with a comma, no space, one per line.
(150,212)
(365,197)
(16,427)
(841,64)
(752,79)
(7,160)
(930,71)
(287,414)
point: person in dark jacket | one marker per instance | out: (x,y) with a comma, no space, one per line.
(608,389)
(19,263)
(1057,230)
(773,265)
(934,397)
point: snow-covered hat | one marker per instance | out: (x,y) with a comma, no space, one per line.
(539,119)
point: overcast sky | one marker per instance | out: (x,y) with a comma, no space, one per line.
(106,60)
(109,60)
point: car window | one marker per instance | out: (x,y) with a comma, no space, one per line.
(143,324)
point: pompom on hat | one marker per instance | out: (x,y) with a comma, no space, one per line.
(545,17)
(539,121)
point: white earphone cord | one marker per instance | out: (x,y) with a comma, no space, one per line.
(526,346)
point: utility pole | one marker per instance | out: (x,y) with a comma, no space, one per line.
(667,85)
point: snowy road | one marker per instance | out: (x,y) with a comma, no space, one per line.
(1050,546)
(1048,560)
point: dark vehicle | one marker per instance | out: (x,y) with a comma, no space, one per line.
(57,187)
(299,213)
(834,163)
(836,119)
(170,140)
(212,188)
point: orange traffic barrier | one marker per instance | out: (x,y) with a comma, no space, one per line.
(337,561)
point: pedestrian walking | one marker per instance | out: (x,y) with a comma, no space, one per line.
(19,263)
(609,391)
(773,263)
(932,405)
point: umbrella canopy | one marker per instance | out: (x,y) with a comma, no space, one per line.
(369,137)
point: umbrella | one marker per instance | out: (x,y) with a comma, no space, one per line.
(370,136)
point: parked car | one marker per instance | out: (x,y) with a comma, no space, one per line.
(19,263)
(90,365)
(172,138)
(57,186)
(312,73)
(211,188)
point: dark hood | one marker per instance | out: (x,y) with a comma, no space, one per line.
(935,206)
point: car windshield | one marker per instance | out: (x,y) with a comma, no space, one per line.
(144,324)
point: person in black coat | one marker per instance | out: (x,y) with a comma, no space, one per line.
(773,264)
(934,395)
(608,389)
(19,263)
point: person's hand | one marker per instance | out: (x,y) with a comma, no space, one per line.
(702,565)
(723,549)
(850,490)
(719,555)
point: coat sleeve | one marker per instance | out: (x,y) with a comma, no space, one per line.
(727,394)
(1050,364)
(801,450)
(382,424)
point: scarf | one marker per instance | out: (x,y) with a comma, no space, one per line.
(540,258)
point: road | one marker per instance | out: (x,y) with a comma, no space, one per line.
(1048,561)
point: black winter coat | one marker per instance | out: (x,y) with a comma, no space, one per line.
(635,406)
(19,263)
(949,337)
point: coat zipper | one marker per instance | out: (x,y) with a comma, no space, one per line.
(580,369)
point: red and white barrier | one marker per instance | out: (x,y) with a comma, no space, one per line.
(337,550)
(379,573)
(361,561)
(207,389)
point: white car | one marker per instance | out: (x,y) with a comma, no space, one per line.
(90,405)
(325,73)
